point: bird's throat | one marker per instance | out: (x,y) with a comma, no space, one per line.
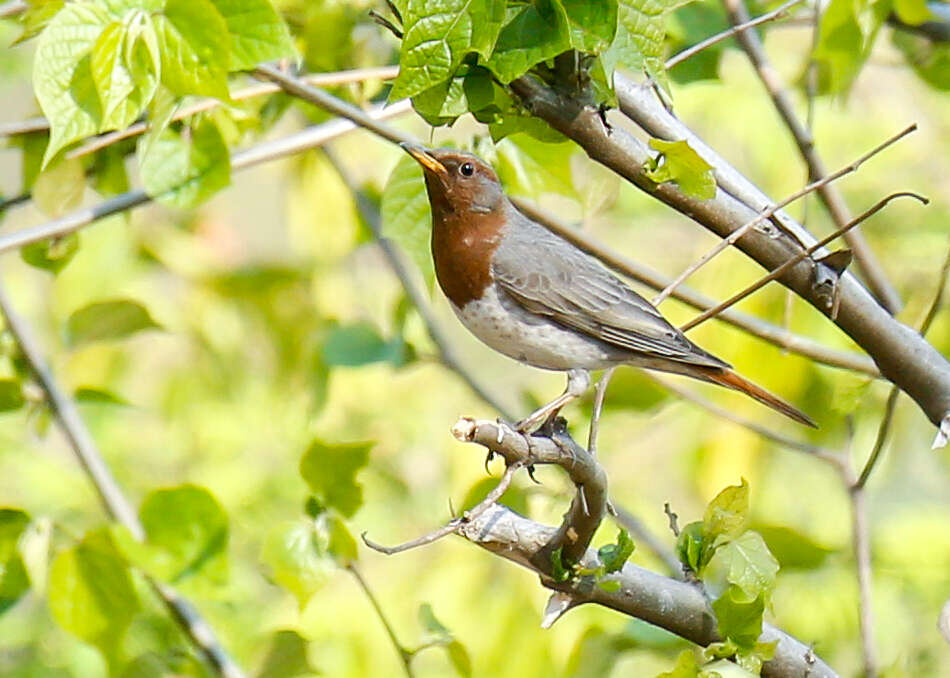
(462,247)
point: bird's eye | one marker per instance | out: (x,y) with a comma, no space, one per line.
(466,169)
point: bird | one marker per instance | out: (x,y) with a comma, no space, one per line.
(534,297)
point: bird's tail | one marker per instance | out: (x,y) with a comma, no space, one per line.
(729,379)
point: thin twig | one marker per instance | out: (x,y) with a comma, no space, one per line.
(405,655)
(642,535)
(110,494)
(777,13)
(600,392)
(12,8)
(804,254)
(767,213)
(860,533)
(774,334)
(305,139)
(453,525)
(259,89)
(447,354)
(752,44)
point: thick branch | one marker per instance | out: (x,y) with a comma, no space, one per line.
(674,605)
(829,194)
(900,353)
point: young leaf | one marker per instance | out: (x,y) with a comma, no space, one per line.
(11,395)
(728,513)
(592,24)
(90,590)
(59,188)
(692,547)
(196,48)
(614,556)
(330,471)
(14,580)
(88,394)
(104,320)
(686,667)
(752,567)
(406,216)
(297,560)
(258,33)
(286,656)
(638,42)
(62,77)
(437,37)
(190,528)
(435,629)
(458,655)
(533,32)
(739,618)
(183,169)
(51,255)
(340,542)
(679,163)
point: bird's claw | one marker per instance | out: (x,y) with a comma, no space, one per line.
(488,458)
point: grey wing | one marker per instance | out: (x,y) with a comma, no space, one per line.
(548,276)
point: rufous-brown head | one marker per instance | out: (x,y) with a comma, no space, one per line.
(457,182)
(469,210)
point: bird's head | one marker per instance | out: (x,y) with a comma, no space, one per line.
(459,183)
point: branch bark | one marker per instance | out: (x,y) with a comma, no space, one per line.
(900,353)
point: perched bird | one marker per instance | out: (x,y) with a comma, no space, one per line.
(534,297)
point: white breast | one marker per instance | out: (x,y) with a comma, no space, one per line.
(533,339)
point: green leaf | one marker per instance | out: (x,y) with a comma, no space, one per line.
(438,35)
(189,530)
(728,513)
(912,12)
(59,188)
(792,549)
(846,35)
(286,656)
(686,667)
(183,169)
(558,570)
(106,320)
(340,542)
(196,48)
(36,16)
(355,345)
(51,255)
(62,78)
(14,580)
(532,33)
(436,630)
(90,590)
(592,24)
(405,214)
(929,59)
(88,394)
(297,560)
(125,71)
(693,548)
(528,166)
(330,471)
(739,618)
(638,43)
(752,568)
(458,655)
(11,395)
(258,33)
(614,556)
(679,163)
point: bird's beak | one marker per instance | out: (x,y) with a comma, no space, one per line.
(424,157)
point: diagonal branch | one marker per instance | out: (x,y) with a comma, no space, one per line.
(871,268)
(110,494)
(901,354)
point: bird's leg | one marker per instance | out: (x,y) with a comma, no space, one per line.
(600,391)
(578,381)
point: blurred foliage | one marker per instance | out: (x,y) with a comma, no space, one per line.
(234,347)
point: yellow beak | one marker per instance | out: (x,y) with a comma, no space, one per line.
(424,157)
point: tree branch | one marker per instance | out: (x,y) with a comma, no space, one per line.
(110,494)
(674,605)
(899,352)
(830,195)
